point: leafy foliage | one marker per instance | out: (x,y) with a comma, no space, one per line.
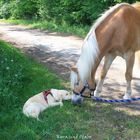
(5,10)
(25,9)
(62,11)
(69,11)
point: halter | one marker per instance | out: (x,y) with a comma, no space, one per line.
(86,86)
(98,99)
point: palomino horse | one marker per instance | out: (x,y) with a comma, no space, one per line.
(115,33)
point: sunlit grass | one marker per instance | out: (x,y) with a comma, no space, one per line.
(78,30)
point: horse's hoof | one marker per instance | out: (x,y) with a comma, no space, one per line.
(126,97)
(96,93)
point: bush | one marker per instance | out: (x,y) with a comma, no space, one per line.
(26,9)
(68,11)
(79,12)
(5,11)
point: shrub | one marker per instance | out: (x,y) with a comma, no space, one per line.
(5,10)
(68,11)
(20,9)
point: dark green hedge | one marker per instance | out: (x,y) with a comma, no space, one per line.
(69,11)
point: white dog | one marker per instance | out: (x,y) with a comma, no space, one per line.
(38,103)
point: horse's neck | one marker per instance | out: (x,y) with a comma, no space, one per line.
(95,66)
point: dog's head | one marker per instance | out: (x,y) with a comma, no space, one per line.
(61,94)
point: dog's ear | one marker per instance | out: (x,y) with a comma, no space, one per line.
(74,68)
(56,94)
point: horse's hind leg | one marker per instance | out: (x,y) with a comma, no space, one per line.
(107,62)
(129,58)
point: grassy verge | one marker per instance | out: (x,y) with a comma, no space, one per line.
(79,30)
(21,77)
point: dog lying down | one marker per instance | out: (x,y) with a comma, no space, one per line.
(38,103)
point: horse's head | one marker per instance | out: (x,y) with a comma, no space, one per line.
(79,87)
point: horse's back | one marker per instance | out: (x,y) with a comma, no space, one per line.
(120,30)
(131,18)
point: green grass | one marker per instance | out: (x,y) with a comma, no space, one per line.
(53,26)
(21,77)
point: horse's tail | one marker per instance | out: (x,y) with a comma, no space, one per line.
(138,58)
(137,6)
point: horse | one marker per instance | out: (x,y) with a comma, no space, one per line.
(115,33)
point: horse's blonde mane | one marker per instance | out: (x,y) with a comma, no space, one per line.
(106,14)
(137,5)
(90,49)
(103,17)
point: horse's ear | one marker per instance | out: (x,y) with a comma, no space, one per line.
(74,68)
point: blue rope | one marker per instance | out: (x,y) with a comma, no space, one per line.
(115,100)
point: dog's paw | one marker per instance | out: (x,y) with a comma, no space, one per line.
(61,104)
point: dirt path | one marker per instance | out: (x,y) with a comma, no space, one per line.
(56,51)
(52,49)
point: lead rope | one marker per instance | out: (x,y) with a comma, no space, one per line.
(98,99)
(115,100)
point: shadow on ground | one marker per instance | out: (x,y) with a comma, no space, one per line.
(56,61)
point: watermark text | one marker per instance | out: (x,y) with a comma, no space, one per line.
(69,137)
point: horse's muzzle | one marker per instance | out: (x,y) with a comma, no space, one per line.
(77,99)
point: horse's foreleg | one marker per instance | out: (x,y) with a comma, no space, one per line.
(107,62)
(129,58)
